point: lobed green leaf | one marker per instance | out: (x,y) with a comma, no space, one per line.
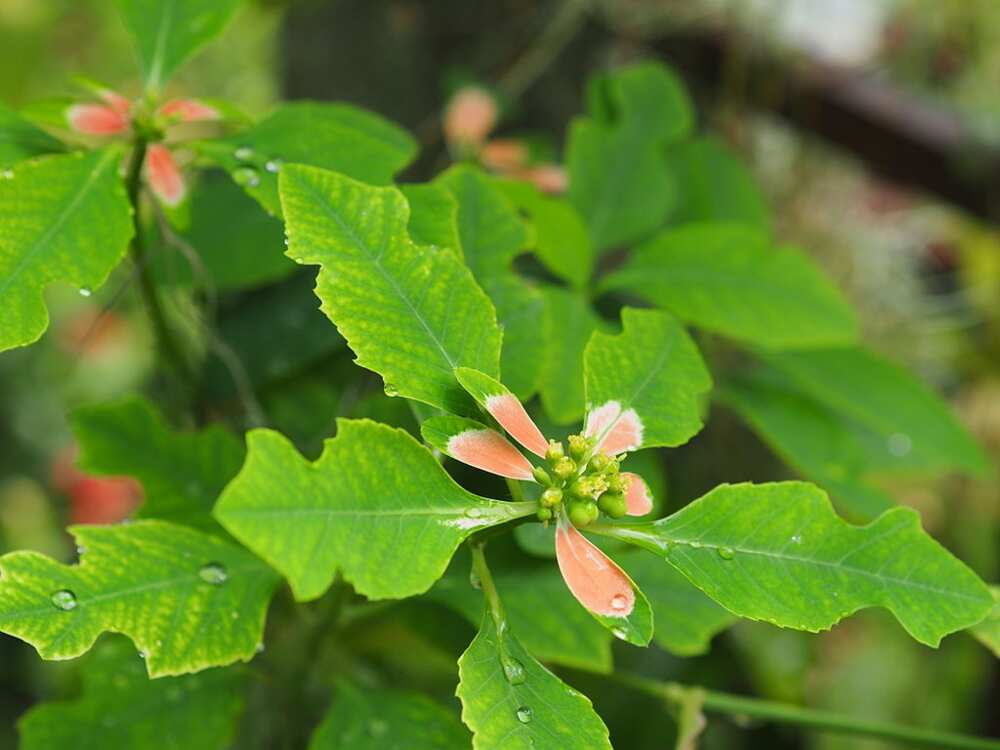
(181,474)
(509,700)
(410,314)
(120,707)
(187,600)
(341,137)
(375,719)
(66,218)
(21,139)
(167,32)
(654,368)
(725,278)
(777,552)
(375,505)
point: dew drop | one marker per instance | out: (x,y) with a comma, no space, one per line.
(64,599)
(524,714)
(243,153)
(274,165)
(473,512)
(619,602)
(143,654)
(797,539)
(726,553)
(619,634)
(390,390)
(7,174)
(214,573)
(247,176)
(85,291)
(899,444)
(259,649)
(513,670)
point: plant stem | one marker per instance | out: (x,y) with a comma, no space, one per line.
(546,47)
(168,345)
(824,721)
(482,572)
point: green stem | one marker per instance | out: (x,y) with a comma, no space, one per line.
(482,572)
(168,345)
(516,491)
(823,721)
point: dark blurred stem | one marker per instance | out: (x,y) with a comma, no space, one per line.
(566,21)
(824,721)
(169,349)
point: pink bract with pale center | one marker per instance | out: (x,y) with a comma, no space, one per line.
(596,582)
(97,119)
(164,175)
(489,451)
(512,416)
(637,497)
(616,431)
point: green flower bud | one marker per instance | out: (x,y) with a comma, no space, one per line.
(551,497)
(541,476)
(564,468)
(613,503)
(599,462)
(582,488)
(543,514)
(555,451)
(582,512)
(598,484)
(617,483)
(579,446)
(613,467)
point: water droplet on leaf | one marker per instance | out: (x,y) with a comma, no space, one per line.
(8,174)
(899,444)
(390,390)
(243,153)
(619,602)
(513,670)
(726,553)
(619,634)
(214,573)
(473,512)
(274,166)
(247,176)
(85,291)
(524,714)
(64,599)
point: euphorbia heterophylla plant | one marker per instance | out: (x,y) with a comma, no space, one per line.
(513,369)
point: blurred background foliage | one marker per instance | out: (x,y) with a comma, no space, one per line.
(924,275)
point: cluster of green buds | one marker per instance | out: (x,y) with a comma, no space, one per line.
(583,481)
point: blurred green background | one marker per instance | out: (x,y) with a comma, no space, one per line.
(924,272)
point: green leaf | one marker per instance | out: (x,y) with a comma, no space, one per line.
(237,243)
(535,710)
(186,599)
(685,619)
(341,137)
(562,243)
(433,216)
(551,623)
(376,719)
(372,483)
(652,368)
(823,445)
(21,139)
(167,32)
(725,278)
(988,631)
(778,553)
(120,707)
(181,474)
(520,306)
(914,429)
(569,321)
(619,181)
(70,221)
(717,186)
(491,230)
(410,314)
